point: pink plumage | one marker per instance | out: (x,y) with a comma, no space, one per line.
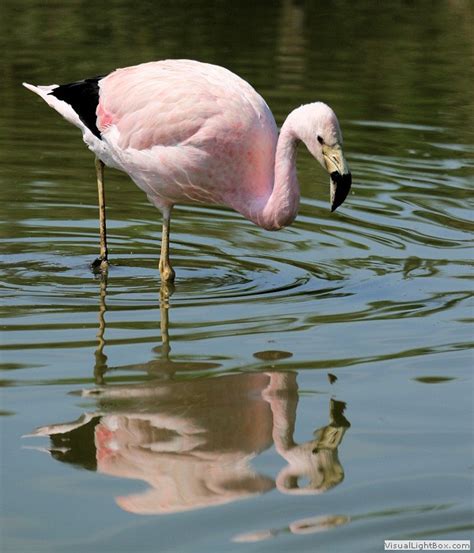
(191,132)
(198,133)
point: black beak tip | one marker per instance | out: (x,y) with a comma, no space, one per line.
(342,186)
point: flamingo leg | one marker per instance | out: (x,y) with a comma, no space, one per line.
(166,270)
(102,261)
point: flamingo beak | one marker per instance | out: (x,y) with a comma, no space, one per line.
(338,169)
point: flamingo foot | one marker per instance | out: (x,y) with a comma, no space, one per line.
(100,265)
(167,273)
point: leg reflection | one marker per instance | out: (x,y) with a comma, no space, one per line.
(100,365)
(166,291)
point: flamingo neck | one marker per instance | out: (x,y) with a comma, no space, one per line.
(281,207)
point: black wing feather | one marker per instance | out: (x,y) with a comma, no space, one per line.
(83,97)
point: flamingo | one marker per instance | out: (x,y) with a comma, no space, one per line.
(193,132)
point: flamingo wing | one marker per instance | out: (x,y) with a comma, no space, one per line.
(166,103)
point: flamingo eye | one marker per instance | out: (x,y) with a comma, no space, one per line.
(320,139)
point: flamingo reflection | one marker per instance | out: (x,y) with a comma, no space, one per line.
(192,440)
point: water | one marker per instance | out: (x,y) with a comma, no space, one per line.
(303,390)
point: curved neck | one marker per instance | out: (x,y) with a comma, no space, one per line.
(281,206)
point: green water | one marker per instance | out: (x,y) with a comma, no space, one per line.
(210,419)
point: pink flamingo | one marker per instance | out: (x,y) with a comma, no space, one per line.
(191,132)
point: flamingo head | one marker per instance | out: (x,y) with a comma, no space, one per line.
(319,129)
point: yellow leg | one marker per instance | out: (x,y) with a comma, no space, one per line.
(102,261)
(166,271)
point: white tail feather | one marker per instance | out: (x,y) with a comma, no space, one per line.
(59,105)
(40,90)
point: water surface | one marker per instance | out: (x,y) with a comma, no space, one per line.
(303,390)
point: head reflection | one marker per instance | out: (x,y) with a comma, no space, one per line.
(192,440)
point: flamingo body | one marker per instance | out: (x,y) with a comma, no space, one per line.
(191,132)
